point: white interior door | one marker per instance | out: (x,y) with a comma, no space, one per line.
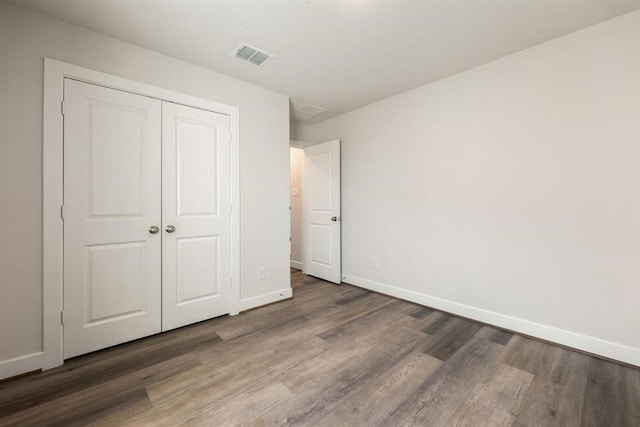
(112,197)
(322,211)
(196,213)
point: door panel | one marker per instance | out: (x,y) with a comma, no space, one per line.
(196,202)
(112,196)
(322,211)
(198,264)
(321,244)
(116,285)
(197,167)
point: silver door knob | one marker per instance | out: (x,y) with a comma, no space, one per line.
(170,229)
(154,229)
(335,218)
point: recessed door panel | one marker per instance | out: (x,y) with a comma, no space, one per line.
(116,285)
(320,181)
(197,165)
(196,212)
(321,245)
(198,269)
(112,195)
(117,150)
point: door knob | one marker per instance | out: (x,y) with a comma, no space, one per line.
(170,228)
(335,218)
(153,229)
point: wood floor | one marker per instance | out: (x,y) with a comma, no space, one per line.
(331,356)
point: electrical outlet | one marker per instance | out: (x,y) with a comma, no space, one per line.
(373,263)
(262,273)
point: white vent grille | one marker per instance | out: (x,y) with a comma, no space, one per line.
(252,54)
(310,110)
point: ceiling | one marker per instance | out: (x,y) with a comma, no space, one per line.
(336,54)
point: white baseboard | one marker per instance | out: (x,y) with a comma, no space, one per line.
(246,304)
(20,365)
(296,264)
(608,349)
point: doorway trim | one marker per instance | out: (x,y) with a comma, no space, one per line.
(52,173)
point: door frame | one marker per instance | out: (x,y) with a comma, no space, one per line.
(52,170)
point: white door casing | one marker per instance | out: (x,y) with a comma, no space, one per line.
(322,230)
(196,245)
(112,197)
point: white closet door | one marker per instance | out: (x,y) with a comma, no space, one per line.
(112,197)
(196,212)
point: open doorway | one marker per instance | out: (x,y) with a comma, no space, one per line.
(296,194)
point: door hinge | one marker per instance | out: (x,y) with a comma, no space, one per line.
(62,212)
(62,317)
(62,107)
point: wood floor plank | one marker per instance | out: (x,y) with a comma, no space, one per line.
(612,395)
(374,401)
(439,321)
(427,321)
(420,312)
(104,397)
(494,334)
(323,367)
(182,400)
(437,399)
(351,296)
(259,322)
(243,406)
(236,365)
(115,413)
(361,306)
(75,376)
(310,404)
(451,335)
(495,400)
(271,342)
(390,313)
(555,396)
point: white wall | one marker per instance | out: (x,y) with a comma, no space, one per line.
(300,133)
(296,166)
(25,38)
(509,193)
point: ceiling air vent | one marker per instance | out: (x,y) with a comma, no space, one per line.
(310,110)
(252,54)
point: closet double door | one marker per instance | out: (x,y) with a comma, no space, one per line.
(146,216)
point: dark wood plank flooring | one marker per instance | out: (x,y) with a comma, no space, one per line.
(331,356)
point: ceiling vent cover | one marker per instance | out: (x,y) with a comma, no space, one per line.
(310,110)
(252,54)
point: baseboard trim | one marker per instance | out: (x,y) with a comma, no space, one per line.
(596,346)
(21,364)
(249,303)
(297,264)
